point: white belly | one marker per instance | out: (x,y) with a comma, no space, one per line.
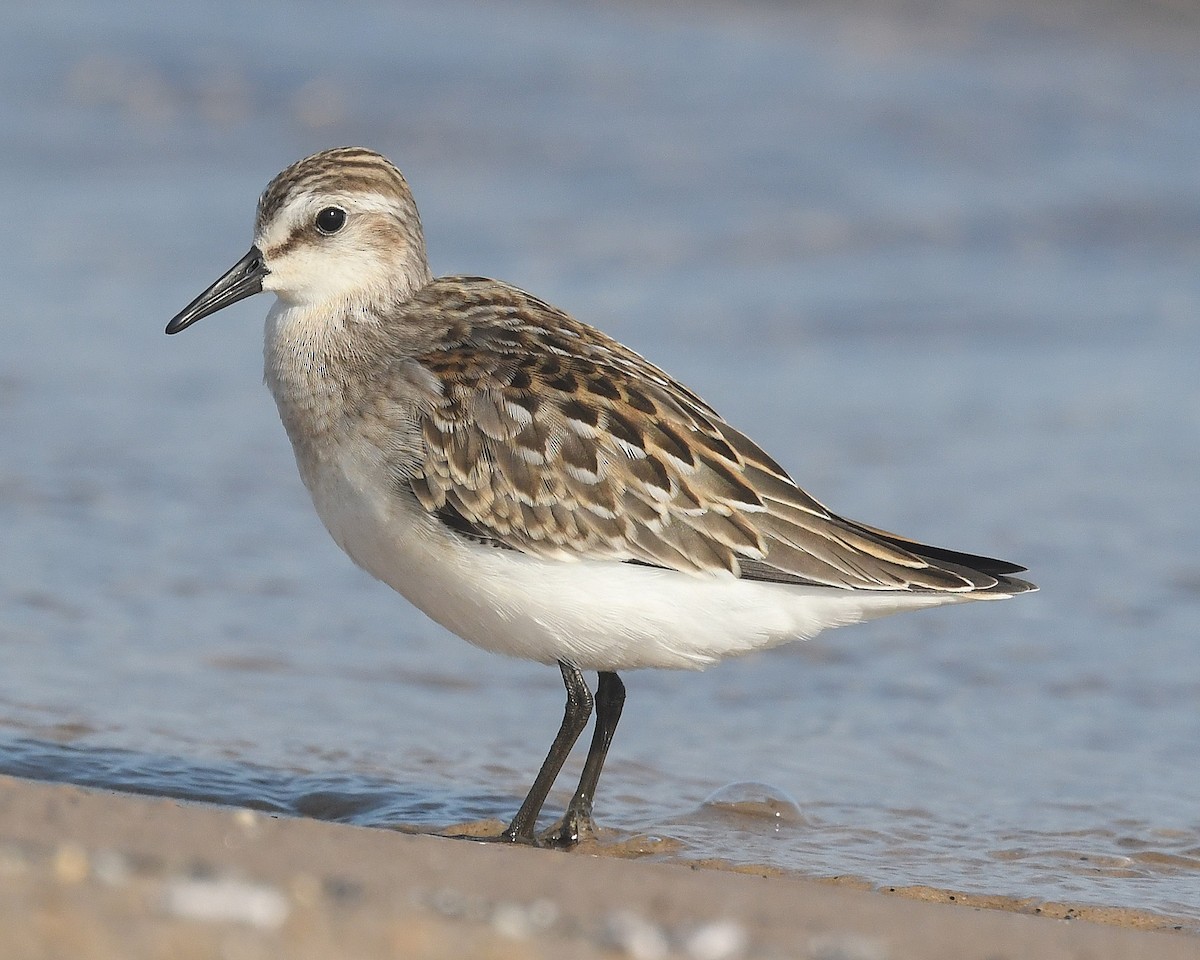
(600,615)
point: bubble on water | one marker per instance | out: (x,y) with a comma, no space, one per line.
(762,801)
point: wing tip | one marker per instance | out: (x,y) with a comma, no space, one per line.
(1005,587)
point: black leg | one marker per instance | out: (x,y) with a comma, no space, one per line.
(577,821)
(575,718)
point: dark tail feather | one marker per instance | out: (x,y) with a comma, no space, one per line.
(963,564)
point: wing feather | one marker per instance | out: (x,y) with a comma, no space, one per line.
(548,437)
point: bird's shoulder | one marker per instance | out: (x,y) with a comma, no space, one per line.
(478,330)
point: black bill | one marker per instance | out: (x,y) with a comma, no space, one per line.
(243,279)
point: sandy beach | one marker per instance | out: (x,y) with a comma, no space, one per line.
(95,875)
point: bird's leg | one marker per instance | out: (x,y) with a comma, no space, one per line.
(575,718)
(577,821)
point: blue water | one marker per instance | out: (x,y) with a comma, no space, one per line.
(943,266)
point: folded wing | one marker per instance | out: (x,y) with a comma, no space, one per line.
(552,439)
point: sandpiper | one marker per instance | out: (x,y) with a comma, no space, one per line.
(531,484)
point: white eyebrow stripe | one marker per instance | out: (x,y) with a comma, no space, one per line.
(302,208)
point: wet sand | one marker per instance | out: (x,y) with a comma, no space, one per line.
(95,875)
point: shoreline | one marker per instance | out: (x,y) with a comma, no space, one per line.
(96,875)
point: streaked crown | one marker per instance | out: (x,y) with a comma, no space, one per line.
(341,226)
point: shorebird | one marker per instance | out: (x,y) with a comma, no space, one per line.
(531,484)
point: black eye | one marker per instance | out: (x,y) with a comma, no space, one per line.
(331,220)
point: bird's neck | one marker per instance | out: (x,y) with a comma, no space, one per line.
(314,358)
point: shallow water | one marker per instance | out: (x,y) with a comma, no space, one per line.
(944,269)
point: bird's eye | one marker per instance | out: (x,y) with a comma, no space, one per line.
(331,220)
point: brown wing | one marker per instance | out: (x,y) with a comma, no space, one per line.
(551,438)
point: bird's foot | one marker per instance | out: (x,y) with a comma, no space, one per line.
(485,831)
(563,835)
(506,837)
(571,828)
(575,825)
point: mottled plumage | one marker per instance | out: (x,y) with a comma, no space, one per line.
(549,437)
(532,484)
